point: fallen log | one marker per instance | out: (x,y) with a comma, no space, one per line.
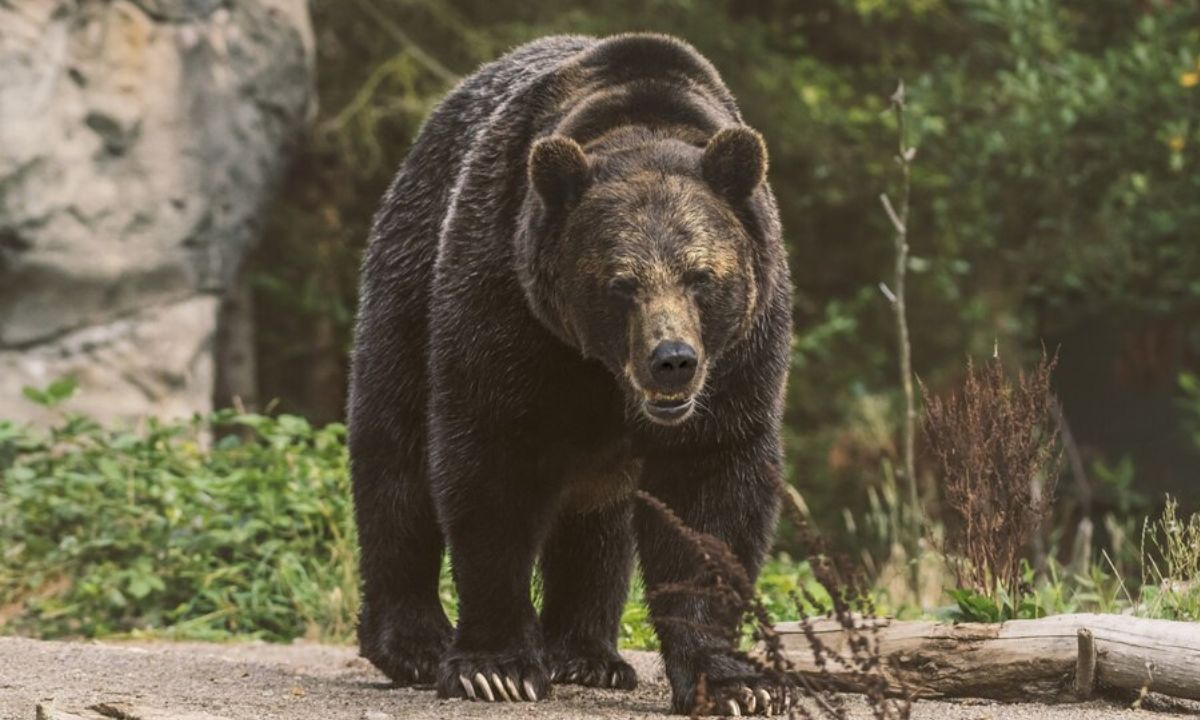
(1063,658)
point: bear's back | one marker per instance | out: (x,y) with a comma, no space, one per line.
(575,85)
(434,163)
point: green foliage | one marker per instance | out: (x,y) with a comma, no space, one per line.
(151,529)
(637,632)
(160,530)
(1169,585)
(1050,597)
(1001,605)
(974,606)
(788,587)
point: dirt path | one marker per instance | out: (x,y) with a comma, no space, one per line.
(178,681)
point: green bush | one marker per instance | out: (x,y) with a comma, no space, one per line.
(119,530)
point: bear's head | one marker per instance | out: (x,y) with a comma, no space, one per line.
(640,255)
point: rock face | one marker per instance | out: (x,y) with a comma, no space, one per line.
(138,140)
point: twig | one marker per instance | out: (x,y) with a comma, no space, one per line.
(891,213)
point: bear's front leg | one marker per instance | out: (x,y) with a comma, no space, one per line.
(586,567)
(729,493)
(495,516)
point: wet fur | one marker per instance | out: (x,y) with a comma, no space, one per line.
(480,416)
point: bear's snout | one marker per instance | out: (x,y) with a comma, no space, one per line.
(672,368)
(672,365)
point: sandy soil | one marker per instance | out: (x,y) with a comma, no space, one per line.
(178,681)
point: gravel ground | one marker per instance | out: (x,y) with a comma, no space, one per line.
(188,681)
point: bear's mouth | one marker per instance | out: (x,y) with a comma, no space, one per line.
(669,411)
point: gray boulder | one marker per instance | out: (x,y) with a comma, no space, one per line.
(138,142)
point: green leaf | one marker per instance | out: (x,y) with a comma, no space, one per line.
(35,395)
(139,588)
(53,394)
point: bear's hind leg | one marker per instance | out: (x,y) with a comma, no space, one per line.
(586,566)
(402,628)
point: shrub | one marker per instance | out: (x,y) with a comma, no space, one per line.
(151,529)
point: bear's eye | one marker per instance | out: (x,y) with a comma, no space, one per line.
(623,287)
(698,278)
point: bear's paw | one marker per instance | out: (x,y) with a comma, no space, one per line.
(601,668)
(493,677)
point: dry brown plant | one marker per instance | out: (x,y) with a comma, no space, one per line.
(722,579)
(997,446)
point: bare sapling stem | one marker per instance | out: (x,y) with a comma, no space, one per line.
(899,218)
(898,298)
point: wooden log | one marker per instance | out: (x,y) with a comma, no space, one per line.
(1062,658)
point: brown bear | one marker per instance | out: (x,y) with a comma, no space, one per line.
(575,287)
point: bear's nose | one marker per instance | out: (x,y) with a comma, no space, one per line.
(672,364)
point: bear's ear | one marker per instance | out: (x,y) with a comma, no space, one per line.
(735,162)
(558,170)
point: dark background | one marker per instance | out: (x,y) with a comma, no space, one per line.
(1055,204)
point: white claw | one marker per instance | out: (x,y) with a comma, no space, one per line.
(573,676)
(484,688)
(764,699)
(733,708)
(499,685)
(529,693)
(553,674)
(512,689)
(751,702)
(416,675)
(467,687)
(612,681)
